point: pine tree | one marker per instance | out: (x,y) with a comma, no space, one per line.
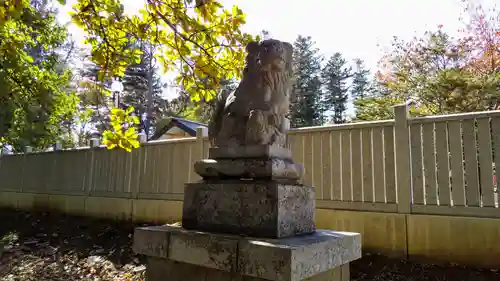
(334,76)
(360,85)
(136,88)
(306,106)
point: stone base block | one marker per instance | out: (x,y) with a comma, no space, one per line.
(162,270)
(249,168)
(178,254)
(259,209)
(250,151)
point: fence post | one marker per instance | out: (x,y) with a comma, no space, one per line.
(94,143)
(402,151)
(142,138)
(27,150)
(57,146)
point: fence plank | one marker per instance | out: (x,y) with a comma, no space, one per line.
(18,166)
(367,159)
(111,170)
(326,162)
(120,177)
(11,165)
(389,165)
(37,169)
(88,170)
(137,178)
(164,159)
(94,168)
(457,163)
(471,165)
(180,168)
(429,164)
(147,181)
(106,174)
(136,170)
(308,159)
(105,159)
(124,171)
(416,163)
(66,174)
(99,179)
(121,160)
(128,173)
(346,165)
(297,144)
(66,178)
(443,166)
(335,137)
(176,172)
(154,159)
(485,162)
(495,127)
(51,178)
(378,164)
(108,171)
(356,166)
(317,168)
(33,168)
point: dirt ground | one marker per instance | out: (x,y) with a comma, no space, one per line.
(41,247)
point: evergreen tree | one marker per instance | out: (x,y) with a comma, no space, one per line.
(360,85)
(136,87)
(306,106)
(90,88)
(334,76)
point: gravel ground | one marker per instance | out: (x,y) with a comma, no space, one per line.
(42,247)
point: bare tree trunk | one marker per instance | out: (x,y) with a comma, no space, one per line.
(149,109)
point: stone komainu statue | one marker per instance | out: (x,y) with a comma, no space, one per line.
(255,113)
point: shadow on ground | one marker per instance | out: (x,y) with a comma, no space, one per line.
(43,246)
(53,246)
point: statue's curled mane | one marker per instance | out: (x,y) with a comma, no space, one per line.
(264,87)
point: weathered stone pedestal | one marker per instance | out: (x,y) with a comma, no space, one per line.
(248,219)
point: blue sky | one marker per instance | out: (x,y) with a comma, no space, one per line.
(355,28)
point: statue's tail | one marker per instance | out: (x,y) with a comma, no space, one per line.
(215,119)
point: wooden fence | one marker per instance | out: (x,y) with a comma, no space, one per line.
(390,171)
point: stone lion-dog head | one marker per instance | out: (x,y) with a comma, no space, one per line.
(270,62)
(275,55)
(269,55)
